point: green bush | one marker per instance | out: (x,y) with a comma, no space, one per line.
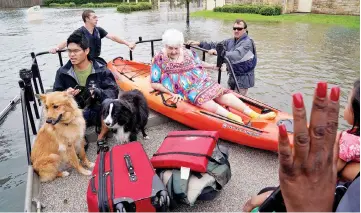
(267,10)
(88,5)
(127,8)
(217,9)
(124,8)
(278,10)
(55,5)
(79,2)
(70,4)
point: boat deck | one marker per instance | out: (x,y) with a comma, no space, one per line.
(252,170)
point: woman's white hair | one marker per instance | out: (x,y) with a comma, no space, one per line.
(172,37)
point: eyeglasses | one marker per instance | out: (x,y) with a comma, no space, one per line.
(238,28)
(76,51)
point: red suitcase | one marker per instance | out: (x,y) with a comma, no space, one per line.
(191,149)
(123,179)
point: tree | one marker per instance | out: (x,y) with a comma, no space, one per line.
(187,6)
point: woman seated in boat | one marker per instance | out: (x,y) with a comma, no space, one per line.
(180,73)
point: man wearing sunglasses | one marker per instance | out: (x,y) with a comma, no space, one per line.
(241,52)
(94,35)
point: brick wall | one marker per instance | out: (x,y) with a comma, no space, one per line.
(344,7)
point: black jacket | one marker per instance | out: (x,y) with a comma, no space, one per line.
(100,76)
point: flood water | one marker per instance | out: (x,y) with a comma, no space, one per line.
(293,57)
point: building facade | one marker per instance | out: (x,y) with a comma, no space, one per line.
(337,7)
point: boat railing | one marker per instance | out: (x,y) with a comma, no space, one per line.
(30,84)
(151,41)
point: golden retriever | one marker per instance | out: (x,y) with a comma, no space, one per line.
(60,138)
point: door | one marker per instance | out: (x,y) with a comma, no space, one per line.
(304,6)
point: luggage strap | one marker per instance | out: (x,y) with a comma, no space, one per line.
(190,135)
(223,161)
(225,158)
(189,153)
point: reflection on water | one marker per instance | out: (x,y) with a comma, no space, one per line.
(293,57)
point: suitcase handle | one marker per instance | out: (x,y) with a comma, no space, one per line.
(131,173)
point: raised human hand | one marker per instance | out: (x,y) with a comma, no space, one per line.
(308,171)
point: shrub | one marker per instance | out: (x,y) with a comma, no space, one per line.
(217,9)
(127,8)
(124,8)
(54,5)
(70,4)
(79,2)
(278,10)
(268,10)
(88,5)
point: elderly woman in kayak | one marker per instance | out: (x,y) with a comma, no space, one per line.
(179,72)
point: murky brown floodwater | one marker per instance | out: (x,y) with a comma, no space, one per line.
(293,57)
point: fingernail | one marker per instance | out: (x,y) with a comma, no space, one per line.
(335,93)
(298,100)
(282,130)
(321,89)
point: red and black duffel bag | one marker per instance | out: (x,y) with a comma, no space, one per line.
(123,179)
(192,149)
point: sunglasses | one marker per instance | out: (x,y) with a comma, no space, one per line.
(238,28)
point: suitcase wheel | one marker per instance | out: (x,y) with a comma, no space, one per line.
(164,201)
(120,207)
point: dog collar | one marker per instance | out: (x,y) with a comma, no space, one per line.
(51,121)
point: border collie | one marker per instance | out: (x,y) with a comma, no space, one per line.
(127,115)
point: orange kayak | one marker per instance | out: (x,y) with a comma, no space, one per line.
(261,134)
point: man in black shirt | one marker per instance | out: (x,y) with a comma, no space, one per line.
(94,35)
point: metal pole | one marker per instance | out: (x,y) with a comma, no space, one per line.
(232,71)
(25,121)
(7,109)
(34,65)
(60,59)
(26,75)
(130,55)
(152,47)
